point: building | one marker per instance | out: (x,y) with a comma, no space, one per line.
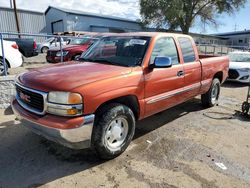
(238,39)
(203,39)
(63,20)
(29,21)
(55,20)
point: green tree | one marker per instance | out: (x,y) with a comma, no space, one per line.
(172,14)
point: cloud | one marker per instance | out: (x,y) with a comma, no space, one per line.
(121,8)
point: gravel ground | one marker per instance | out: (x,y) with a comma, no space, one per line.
(176,148)
(29,63)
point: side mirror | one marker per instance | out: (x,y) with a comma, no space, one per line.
(161,62)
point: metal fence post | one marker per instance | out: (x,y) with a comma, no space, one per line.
(4,62)
(61,48)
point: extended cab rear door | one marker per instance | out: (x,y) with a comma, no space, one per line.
(192,67)
(163,85)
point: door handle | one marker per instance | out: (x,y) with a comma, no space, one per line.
(180,73)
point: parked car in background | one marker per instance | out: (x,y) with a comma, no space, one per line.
(72,51)
(50,43)
(27,47)
(13,57)
(239,68)
(122,78)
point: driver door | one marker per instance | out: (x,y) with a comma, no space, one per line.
(162,85)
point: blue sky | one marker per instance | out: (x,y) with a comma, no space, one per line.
(131,9)
(239,20)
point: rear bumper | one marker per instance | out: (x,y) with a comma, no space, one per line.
(76,138)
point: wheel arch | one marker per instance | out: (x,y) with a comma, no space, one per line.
(129,100)
(6,60)
(219,75)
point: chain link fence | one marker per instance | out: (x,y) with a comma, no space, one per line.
(32,53)
(33,49)
(219,50)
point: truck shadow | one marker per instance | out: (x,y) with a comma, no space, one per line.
(154,122)
(28,160)
(229,84)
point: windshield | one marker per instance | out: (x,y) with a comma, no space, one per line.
(239,57)
(117,50)
(76,41)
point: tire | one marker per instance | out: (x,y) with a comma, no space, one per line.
(113,130)
(44,49)
(210,98)
(2,67)
(76,57)
(245,108)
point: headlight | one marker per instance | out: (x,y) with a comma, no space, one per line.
(64,53)
(60,97)
(244,70)
(64,103)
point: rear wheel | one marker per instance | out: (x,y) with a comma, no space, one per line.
(210,98)
(113,130)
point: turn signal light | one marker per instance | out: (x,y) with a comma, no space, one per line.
(74,98)
(72,111)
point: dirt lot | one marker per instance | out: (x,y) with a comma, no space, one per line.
(29,63)
(176,148)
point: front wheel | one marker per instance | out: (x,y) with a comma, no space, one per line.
(113,131)
(76,57)
(210,98)
(44,49)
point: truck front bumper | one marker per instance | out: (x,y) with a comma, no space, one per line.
(78,137)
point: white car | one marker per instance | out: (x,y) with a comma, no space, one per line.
(50,43)
(13,57)
(239,67)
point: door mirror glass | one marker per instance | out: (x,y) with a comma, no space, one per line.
(161,62)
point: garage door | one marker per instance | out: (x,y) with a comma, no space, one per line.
(99,29)
(57,26)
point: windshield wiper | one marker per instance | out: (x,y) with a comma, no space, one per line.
(103,61)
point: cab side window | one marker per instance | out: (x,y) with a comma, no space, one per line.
(187,49)
(165,47)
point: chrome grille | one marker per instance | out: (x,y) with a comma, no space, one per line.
(31,100)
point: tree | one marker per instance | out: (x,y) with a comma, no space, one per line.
(173,14)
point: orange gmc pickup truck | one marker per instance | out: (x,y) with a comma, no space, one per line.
(96,101)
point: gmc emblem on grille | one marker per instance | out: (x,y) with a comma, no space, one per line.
(24,97)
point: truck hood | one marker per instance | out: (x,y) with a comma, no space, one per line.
(70,75)
(239,65)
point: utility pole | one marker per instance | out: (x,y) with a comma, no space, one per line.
(11,5)
(17,22)
(235,27)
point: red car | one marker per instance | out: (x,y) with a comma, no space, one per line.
(70,52)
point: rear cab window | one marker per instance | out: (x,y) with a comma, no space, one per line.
(187,49)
